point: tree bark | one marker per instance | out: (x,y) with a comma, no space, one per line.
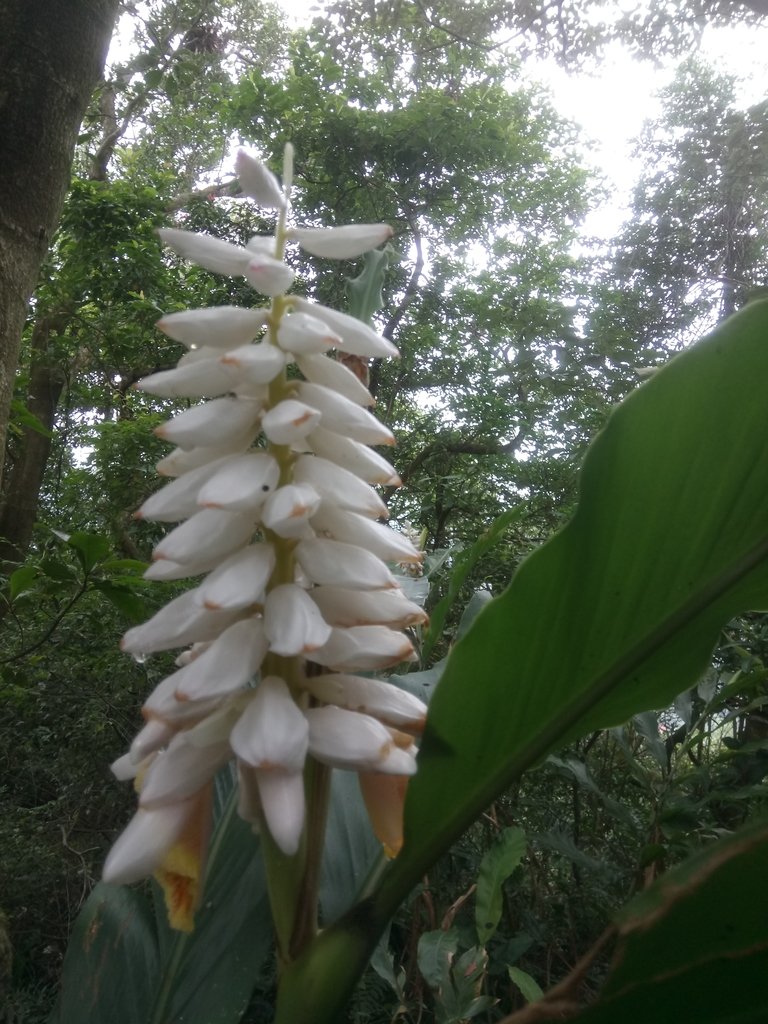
(24,476)
(52,55)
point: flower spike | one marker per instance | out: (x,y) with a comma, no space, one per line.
(271,496)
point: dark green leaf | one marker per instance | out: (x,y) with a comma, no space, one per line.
(130,604)
(527,985)
(111,969)
(20,580)
(90,548)
(495,868)
(619,612)
(351,849)
(435,955)
(695,945)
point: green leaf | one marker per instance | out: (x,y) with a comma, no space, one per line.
(90,548)
(364,291)
(615,615)
(435,955)
(20,581)
(527,985)
(22,417)
(351,849)
(695,945)
(619,612)
(464,563)
(111,968)
(209,975)
(495,868)
(130,604)
(59,571)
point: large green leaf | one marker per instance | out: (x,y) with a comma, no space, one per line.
(695,946)
(112,968)
(209,975)
(616,614)
(124,965)
(619,612)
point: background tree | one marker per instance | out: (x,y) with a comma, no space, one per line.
(51,58)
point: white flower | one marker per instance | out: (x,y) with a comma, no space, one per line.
(271,490)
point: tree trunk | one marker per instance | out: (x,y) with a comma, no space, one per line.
(24,477)
(52,55)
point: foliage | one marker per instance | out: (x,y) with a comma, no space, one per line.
(513,353)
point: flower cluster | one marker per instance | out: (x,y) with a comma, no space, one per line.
(272,490)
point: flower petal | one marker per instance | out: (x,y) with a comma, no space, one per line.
(289,421)
(343,416)
(209,534)
(345,565)
(300,333)
(205,378)
(356,337)
(352,528)
(217,422)
(258,182)
(140,849)
(341,243)
(364,649)
(271,732)
(346,739)
(292,621)
(330,373)
(268,276)
(182,621)
(357,458)
(242,484)
(226,666)
(382,700)
(220,327)
(240,580)
(255,364)
(345,607)
(282,800)
(212,253)
(339,486)
(288,510)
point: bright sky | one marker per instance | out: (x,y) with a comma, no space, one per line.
(612,104)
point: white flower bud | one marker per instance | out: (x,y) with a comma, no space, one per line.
(335,375)
(356,337)
(339,486)
(292,621)
(300,333)
(289,421)
(217,422)
(342,243)
(364,649)
(213,254)
(288,510)
(345,565)
(268,276)
(242,484)
(355,529)
(216,327)
(240,580)
(258,182)
(343,416)
(357,458)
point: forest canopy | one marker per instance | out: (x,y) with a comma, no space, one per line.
(598,729)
